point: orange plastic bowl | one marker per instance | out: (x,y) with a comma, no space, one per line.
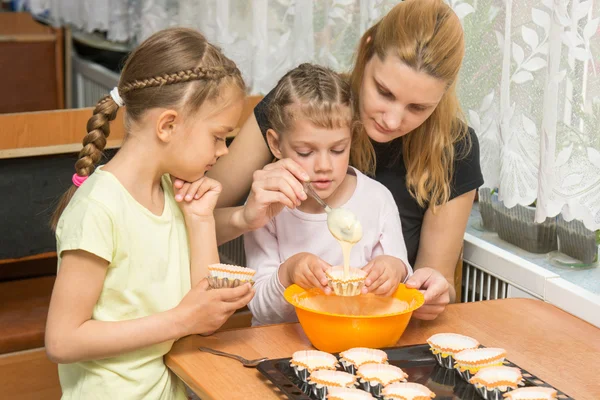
(336,332)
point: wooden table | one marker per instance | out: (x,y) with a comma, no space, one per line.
(561,349)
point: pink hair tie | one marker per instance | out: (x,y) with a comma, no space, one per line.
(78,180)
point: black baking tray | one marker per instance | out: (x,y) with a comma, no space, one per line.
(417,361)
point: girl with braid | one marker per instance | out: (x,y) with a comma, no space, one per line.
(133,250)
(311,123)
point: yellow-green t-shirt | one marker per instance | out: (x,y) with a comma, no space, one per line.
(148,272)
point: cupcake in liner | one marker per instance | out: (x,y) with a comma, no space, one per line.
(346,286)
(305,362)
(352,359)
(493,382)
(322,380)
(407,391)
(469,362)
(445,345)
(532,393)
(374,377)
(336,393)
(228,276)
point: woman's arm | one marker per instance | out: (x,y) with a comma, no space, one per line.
(247,153)
(72,335)
(442,236)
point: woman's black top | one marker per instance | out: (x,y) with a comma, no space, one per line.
(391,172)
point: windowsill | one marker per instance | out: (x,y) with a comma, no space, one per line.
(574,290)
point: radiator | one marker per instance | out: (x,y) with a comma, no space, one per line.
(479,285)
(91,82)
(233,252)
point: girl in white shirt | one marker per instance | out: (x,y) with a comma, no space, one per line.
(311,115)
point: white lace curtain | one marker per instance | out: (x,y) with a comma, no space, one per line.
(530,83)
(531,89)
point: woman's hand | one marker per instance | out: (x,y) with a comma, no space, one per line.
(305,270)
(436,290)
(384,274)
(273,187)
(197,199)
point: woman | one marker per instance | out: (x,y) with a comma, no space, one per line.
(403,83)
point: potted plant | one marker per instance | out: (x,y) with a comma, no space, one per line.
(487,197)
(575,240)
(517,225)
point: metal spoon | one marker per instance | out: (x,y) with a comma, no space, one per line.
(342,223)
(245,362)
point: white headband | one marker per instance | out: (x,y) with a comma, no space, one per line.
(116,97)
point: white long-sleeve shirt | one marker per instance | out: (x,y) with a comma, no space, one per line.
(293,231)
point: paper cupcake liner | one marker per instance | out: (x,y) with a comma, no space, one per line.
(219,283)
(320,384)
(301,372)
(353,358)
(368,379)
(320,391)
(445,362)
(231,271)
(348,366)
(494,394)
(444,350)
(537,393)
(348,393)
(228,276)
(467,372)
(341,286)
(375,388)
(406,390)
(302,368)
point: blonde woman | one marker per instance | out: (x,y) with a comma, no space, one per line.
(412,138)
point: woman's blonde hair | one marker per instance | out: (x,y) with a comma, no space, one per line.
(175,67)
(427,36)
(317,94)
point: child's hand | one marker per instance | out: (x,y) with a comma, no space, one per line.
(384,274)
(203,311)
(273,187)
(197,198)
(305,270)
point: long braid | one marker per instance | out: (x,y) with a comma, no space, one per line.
(214,74)
(98,126)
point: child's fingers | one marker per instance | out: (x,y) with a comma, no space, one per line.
(314,281)
(202,285)
(317,270)
(243,301)
(178,183)
(234,294)
(193,189)
(376,286)
(206,185)
(373,273)
(179,196)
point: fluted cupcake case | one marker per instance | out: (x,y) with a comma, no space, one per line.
(407,391)
(532,393)
(348,394)
(493,382)
(229,276)
(304,362)
(352,359)
(469,362)
(374,377)
(445,345)
(346,285)
(322,380)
